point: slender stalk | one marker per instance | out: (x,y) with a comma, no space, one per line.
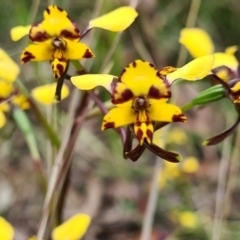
(57,168)
(191,20)
(233,175)
(152,202)
(222,177)
(153,195)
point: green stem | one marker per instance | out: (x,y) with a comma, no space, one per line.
(25,126)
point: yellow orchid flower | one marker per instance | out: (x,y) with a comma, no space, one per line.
(56,38)
(199,43)
(9,70)
(141,94)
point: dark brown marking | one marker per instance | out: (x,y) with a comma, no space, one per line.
(27,57)
(60,69)
(39,36)
(134,64)
(123,72)
(125,96)
(87,54)
(155,93)
(48,11)
(151,65)
(139,134)
(158,74)
(60,9)
(109,125)
(67,34)
(149,134)
(179,118)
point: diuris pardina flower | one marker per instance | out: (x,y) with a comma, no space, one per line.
(57,37)
(141,95)
(225,70)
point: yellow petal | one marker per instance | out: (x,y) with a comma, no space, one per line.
(225,59)
(197,41)
(77,50)
(90,81)
(163,112)
(21,101)
(46,94)
(190,165)
(116,21)
(231,50)
(73,229)
(38,52)
(56,23)
(6,89)
(142,79)
(19,32)
(9,70)
(195,70)
(236,87)
(6,230)
(119,116)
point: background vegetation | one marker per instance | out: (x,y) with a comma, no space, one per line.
(115,191)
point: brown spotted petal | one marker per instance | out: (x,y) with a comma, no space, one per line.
(160,111)
(37,52)
(143,79)
(220,137)
(56,23)
(119,116)
(120,93)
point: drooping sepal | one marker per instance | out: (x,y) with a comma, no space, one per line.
(220,137)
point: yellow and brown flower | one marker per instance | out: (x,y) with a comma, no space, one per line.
(140,95)
(56,39)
